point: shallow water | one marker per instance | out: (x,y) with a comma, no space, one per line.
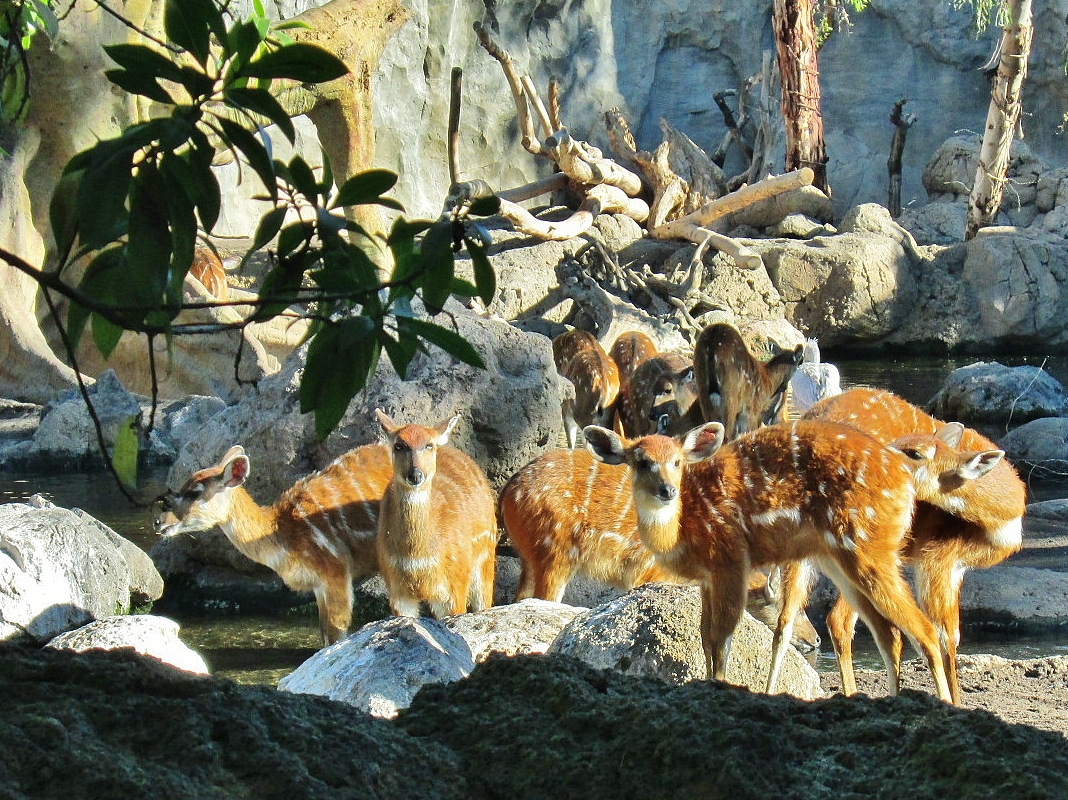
(262,649)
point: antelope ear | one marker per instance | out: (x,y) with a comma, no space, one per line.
(605,445)
(445,427)
(235,470)
(951,433)
(385,422)
(702,442)
(981,463)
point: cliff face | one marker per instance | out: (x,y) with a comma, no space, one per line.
(666,60)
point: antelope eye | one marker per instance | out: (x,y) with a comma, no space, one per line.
(398,447)
(642,463)
(913,453)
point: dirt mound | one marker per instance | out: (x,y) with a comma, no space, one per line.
(111,725)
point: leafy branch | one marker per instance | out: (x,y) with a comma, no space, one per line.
(128,210)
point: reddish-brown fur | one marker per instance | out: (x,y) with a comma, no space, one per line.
(630,350)
(982,527)
(736,388)
(208,269)
(437,531)
(663,397)
(319,535)
(784,493)
(580,358)
(569,514)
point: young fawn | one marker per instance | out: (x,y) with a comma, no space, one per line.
(784,493)
(567,514)
(958,525)
(629,351)
(319,535)
(663,397)
(580,358)
(437,531)
(736,388)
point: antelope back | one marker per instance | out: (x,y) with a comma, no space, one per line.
(208,269)
(580,358)
(629,351)
(992,500)
(663,396)
(567,513)
(736,388)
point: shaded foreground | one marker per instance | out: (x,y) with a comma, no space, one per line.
(116,725)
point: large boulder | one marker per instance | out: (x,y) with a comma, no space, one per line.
(986,392)
(1039,447)
(380,667)
(655,630)
(856,285)
(61,569)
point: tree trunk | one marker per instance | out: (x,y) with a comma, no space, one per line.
(1002,118)
(795,43)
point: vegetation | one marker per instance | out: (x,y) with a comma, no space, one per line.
(133,207)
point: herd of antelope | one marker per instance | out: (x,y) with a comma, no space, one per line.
(693,472)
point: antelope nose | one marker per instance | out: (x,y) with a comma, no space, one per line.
(667,492)
(415,477)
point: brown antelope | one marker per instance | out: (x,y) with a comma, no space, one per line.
(629,351)
(663,397)
(580,358)
(437,532)
(736,388)
(568,514)
(958,525)
(319,535)
(208,269)
(784,493)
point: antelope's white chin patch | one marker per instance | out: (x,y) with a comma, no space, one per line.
(658,513)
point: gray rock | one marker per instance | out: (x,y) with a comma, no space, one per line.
(654,630)
(529,626)
(1023,598)
(1016,280)
(986,392)
(148,635)
(59,570)
(1039,447)
(380,667)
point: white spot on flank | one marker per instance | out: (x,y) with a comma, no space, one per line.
(1008,535)
(774,515)
(404,564)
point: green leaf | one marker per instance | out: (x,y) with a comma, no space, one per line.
(485,278)
(449,341)
(302,179)
(208,197)
(307,63)
(270,224)
(400,351)
(262,102)
(367,187)
(140,59)
(243,40)
(106,335)
(437,257)
(77,317)
(140,84)
(255,152)
(125,450)
(148,250)
(63,212)
(340,358)
(186,25)
(293,236)
(102,194)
